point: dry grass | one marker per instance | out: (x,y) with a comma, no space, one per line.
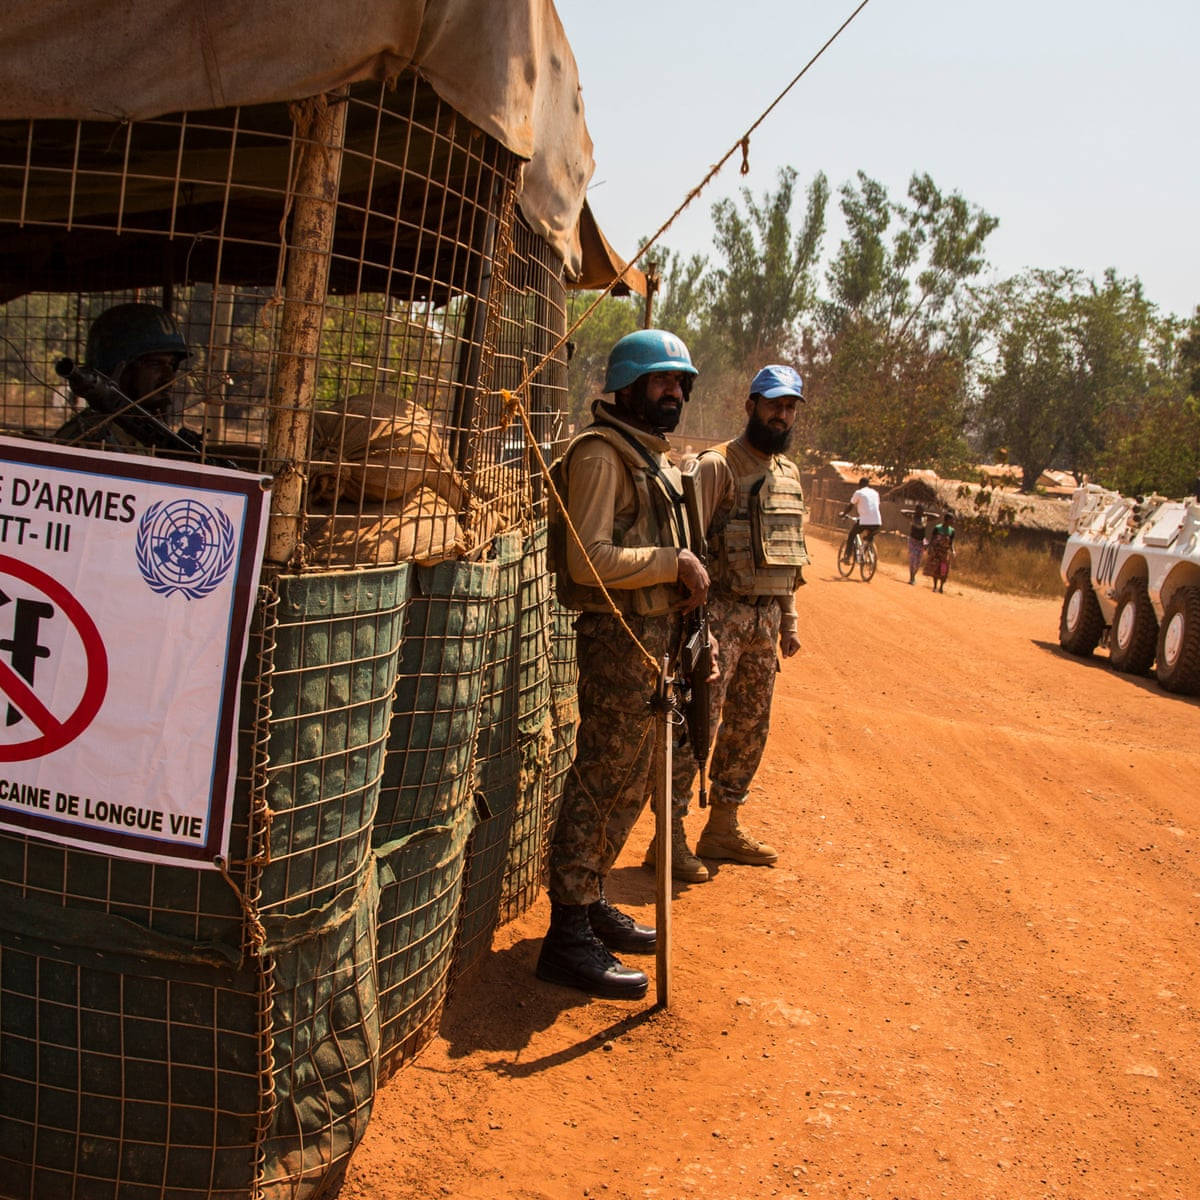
(1001,568)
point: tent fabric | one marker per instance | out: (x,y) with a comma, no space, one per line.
(601,263)
(507,68)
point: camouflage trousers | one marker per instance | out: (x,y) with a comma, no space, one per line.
(740,701)
(607,785)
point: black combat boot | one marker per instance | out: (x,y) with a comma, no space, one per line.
(572,955)
(618,930)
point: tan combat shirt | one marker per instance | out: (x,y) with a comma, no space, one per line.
(601,493)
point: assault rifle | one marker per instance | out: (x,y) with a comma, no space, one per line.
(102,394)
(696,658)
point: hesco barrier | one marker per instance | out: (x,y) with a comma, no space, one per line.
(535,734)
(420,724)
(363,296)
(496,762)
(336,653)
(427,810)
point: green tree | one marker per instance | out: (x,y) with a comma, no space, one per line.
(680,304)
(590,343)
(1069,350)
(892,357)
(766,274)
(1189,353)
(1151,437)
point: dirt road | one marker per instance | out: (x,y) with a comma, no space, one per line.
(975,972)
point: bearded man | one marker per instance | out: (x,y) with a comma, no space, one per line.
(753,510)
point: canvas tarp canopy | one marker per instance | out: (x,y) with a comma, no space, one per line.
(506,67)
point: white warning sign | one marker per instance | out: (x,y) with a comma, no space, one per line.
(126,588)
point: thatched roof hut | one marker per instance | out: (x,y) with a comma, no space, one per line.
(1031,519)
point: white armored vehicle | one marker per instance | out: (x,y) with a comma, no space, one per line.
(1132,570)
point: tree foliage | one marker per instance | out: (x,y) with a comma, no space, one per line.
(891,358)
(909,359)
(1070,351)
(589,346)
(765,279)
(1151,436)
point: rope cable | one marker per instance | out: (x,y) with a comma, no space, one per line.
(514,403)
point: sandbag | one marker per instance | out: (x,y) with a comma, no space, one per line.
(379,447)
(423,528)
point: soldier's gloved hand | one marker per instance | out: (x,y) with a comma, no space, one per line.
(694,577)
(789,643)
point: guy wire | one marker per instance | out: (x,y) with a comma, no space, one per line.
(513,399)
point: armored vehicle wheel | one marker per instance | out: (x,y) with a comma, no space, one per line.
(1081,622)
(1178,668)
(1134,636)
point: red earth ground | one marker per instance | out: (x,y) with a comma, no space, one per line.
(972,974)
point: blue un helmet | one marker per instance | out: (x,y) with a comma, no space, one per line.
(122,334)
(643,352)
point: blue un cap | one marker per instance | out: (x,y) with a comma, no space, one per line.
(777,381)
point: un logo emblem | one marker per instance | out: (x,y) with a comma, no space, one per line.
(183,546)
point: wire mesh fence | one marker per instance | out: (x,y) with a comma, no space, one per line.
(341,296)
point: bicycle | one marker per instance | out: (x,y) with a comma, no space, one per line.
(863,554)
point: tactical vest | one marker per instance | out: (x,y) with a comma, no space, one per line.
(657,521)
(759,548)
(91,427)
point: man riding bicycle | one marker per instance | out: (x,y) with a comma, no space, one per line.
(867,521)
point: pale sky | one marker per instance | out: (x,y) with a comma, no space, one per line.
(1075,122)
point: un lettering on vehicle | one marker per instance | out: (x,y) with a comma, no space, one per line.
(1106,567)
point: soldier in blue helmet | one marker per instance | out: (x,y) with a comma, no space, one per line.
(138,347)
(624,498)
(753,510)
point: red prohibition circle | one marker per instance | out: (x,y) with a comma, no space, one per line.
(55,733)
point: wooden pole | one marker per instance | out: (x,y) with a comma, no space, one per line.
(662,845)
(651,289)
(319,129)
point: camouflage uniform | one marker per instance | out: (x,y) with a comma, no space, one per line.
(747,626)
(632,536)
(606,788)
(739,701)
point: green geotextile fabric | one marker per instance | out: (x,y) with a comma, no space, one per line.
(435,715)
(420,890)
(325,1044)
(564,669)
(336,655)
(419,723)
(535,626)
(524,857)
(93,932)
(122,1072)
(497,765)
(497,742)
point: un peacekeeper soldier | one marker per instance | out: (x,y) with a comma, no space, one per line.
(624,498)
(140,348)
(753,509)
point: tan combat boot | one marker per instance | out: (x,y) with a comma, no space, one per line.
(685,866)
(722,838)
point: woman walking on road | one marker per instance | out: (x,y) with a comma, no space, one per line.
(917,536)
(941,551)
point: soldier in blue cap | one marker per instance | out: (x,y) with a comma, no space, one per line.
(624,498)
(753,509)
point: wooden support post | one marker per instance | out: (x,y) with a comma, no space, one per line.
(652,282)
(319,130)
(662,844)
